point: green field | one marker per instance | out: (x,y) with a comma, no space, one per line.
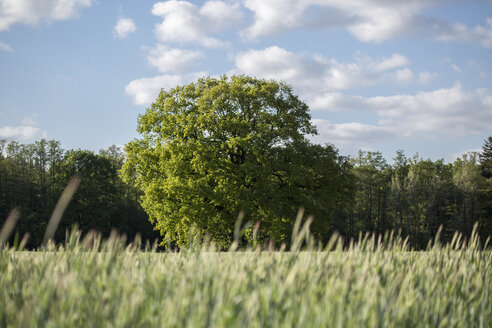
(371,284)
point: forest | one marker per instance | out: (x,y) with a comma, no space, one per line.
(33,176)
(412,195)
(417,196)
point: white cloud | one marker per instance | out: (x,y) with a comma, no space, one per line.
(448,110)
(351,132)
(185,22)
(32,12)
(145,90)
(484,33)
(29,120)
(315,75)
(274,16)
(278,63)
(23,132)
(124,27)
(426,77)
(459,32)
(6,47)
(404,75)
(350,137)
(456,68)
(336,101)
(367,20)
(172,60)
(381,23)
(395,61)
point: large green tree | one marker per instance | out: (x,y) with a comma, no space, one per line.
(219,146)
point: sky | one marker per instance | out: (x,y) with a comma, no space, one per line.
(378,75)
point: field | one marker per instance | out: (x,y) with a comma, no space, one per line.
(91,283)
(371,283)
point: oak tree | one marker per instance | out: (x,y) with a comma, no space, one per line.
(213,148)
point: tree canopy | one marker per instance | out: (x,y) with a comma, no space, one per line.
(486,158)
(219,146)
(33,176)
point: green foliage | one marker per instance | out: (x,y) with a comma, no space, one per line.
(372,181)
(486,199)
(102,202)
(90,283)
(418,196)
(94,202)
(216,147)
(486,158)
(469,186)
(412,195)
(33,176)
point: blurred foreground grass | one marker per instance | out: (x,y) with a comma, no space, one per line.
(94,283)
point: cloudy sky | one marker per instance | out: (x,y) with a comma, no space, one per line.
(377,74)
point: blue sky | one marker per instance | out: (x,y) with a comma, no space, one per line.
(377,74)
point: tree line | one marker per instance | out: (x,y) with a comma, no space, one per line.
(417,196)
(33,176)
(411,195)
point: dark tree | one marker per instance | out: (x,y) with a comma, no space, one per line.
(486,158)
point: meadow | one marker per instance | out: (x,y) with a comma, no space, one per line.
(373,282)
